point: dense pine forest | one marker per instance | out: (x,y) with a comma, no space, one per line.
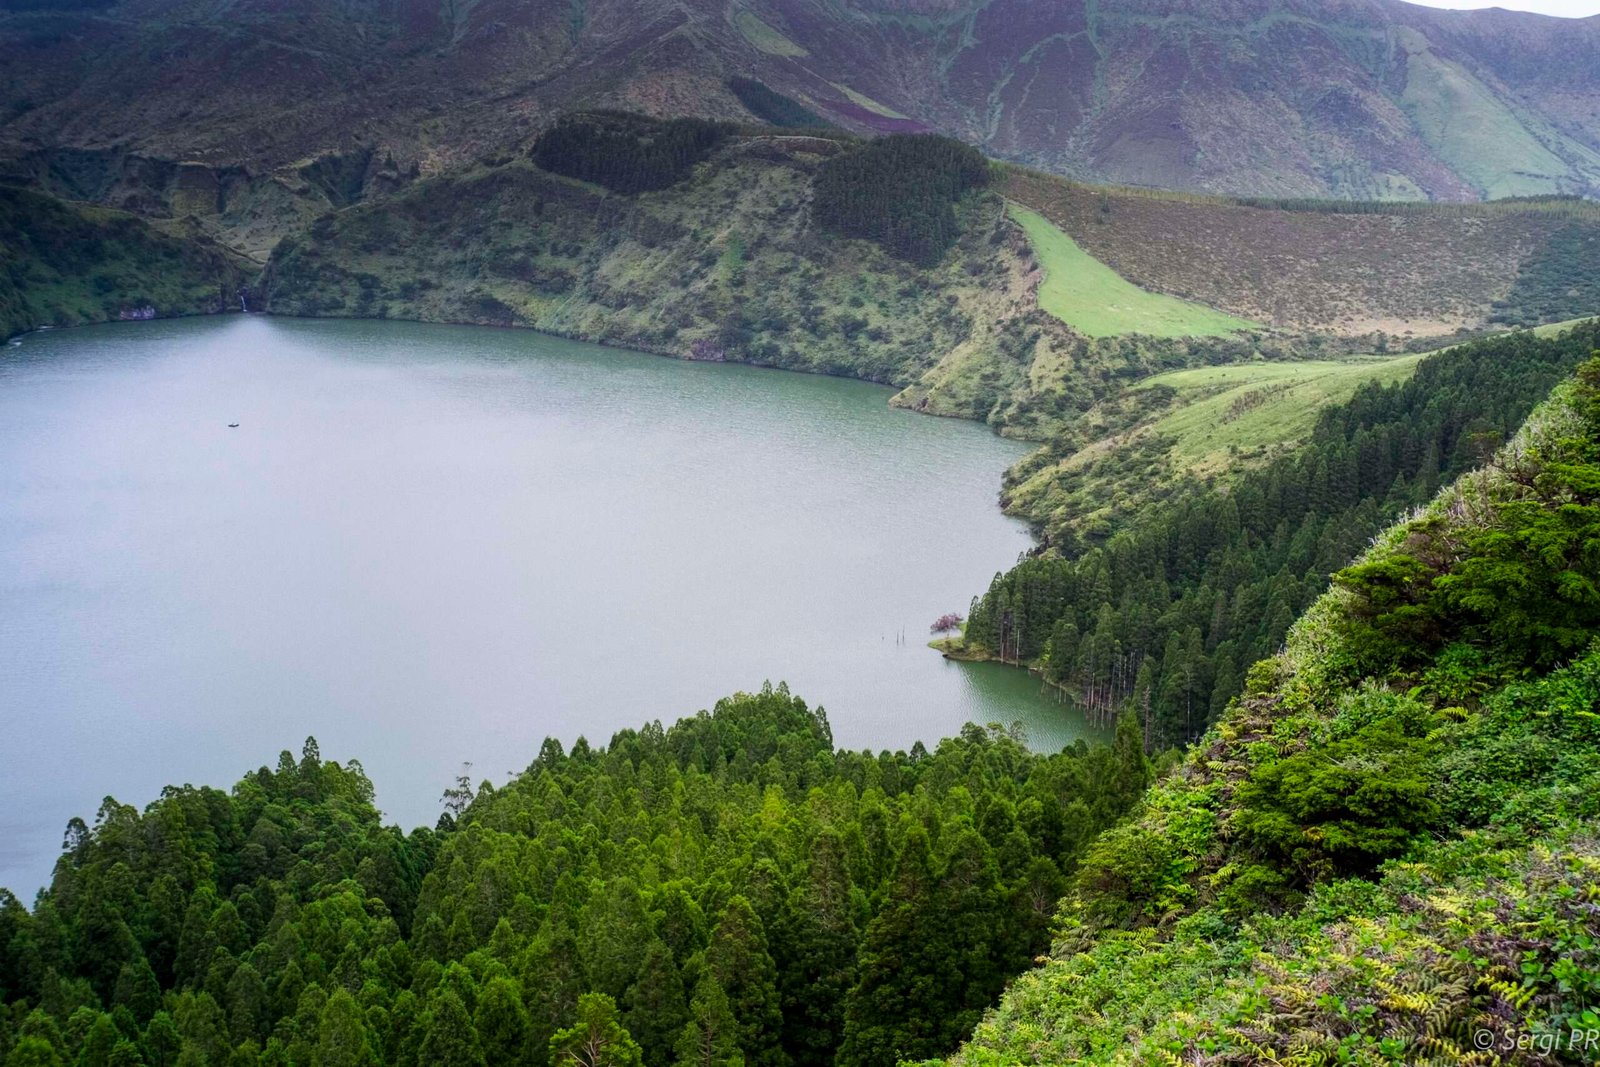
(1171,613)
(730,890)
(773,107)
(900,191)
(626,153)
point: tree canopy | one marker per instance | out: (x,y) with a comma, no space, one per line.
(731,891)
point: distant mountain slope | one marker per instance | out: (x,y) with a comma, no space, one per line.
(1356,98)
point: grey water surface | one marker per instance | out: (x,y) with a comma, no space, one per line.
(428,545)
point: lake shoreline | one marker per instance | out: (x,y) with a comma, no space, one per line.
(620,344)
(425,545)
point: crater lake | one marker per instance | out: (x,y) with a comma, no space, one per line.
(429,545)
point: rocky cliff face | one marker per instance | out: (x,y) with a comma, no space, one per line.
(1356,98)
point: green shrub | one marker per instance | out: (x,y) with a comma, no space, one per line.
(1341,808)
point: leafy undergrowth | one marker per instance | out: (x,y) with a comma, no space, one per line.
(1387,851)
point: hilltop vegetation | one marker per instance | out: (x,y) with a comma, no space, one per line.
(1171,611)
(1336,268)
(66,265)
(1386,851)
(1557,280)
(728,890)
(773,107)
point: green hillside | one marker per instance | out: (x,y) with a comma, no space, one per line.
(69,264)
(1096,301)
(808,252)
(1386,850)
(1162,586)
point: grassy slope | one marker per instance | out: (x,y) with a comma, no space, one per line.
(1249,407)
(1179,430)
(1487,922)
(1100,303)
(64,264)
(1410,270)
(1095,300)
(1475,133)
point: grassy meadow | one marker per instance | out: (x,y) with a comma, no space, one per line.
(1095,300)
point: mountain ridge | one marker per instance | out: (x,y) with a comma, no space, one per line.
(1363,99)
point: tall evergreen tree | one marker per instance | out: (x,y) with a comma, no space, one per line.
(738,958)
(711,1036)
(450,1039)
(596,1038)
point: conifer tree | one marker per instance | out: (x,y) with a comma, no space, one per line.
(656,1009)
(738,958)
(501,1020)
(596,1038)
(342,1034)
(711,1036)
(450,1040)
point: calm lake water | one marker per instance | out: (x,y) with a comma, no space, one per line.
(427,545)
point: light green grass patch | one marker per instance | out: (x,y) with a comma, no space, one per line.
(1475,133)
(1095,300)
(863,100)
(765,38)
(1247,406)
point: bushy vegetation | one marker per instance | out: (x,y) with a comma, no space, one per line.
(67,264)
(1170,612)
(1520,585)
(626,153)
(1381,854)
(1337,267)
(901,192)
(731,890)
(769,105)
(1558,281)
